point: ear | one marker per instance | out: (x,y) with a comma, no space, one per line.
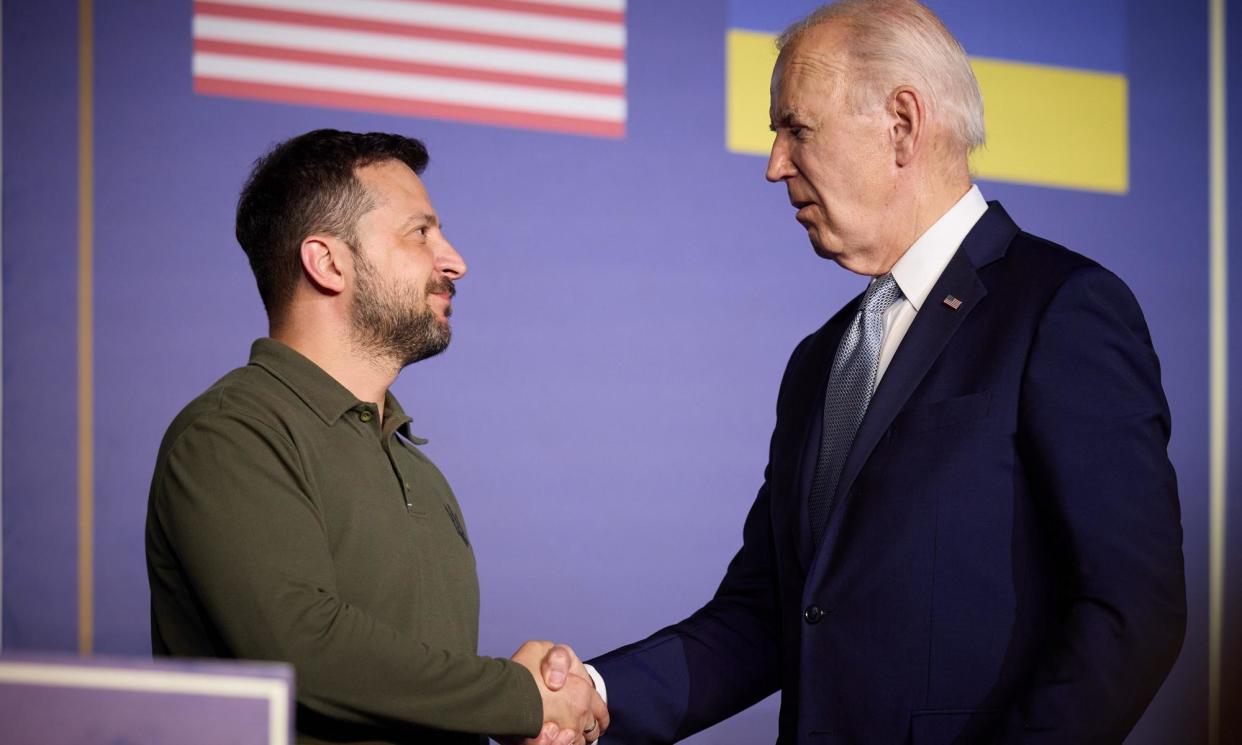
(324,262)
(908,117)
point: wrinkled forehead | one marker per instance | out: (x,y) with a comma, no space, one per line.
(806,68)
(805,75)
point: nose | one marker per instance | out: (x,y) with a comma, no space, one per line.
(449,262)
(779,165)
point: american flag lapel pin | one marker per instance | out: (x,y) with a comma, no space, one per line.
(952,302)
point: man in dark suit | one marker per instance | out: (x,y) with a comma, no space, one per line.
(968,529)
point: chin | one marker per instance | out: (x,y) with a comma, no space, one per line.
(851,262)
(823,251)
(856,265)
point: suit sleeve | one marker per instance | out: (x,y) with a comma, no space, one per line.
(719,661)
(1093,435)
(233,503)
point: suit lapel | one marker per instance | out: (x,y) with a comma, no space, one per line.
(927,337)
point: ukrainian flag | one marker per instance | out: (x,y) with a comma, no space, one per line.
(1052,74)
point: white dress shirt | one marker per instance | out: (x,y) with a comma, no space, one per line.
(918,269)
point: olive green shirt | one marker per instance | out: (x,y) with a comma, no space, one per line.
(286,522)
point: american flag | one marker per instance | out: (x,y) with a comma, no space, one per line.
(537,64)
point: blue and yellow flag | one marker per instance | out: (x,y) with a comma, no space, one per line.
(1052,74)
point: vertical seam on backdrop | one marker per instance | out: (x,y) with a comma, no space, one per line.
(1,329)
(1218,405)
(86,419)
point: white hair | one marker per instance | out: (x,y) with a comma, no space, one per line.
(901,42)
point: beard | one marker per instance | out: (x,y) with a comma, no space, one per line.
(396,323)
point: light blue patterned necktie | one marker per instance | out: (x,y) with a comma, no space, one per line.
(849,391)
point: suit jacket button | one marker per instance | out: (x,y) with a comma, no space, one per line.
(812,614)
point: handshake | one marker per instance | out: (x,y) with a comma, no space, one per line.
(573,711)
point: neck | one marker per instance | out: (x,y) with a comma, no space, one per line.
(362,373)
(932,198)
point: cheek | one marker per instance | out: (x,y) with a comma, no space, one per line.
(823,173)
(832,190)
(413,264)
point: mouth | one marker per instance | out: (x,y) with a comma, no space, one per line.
(443,288)
(803,214)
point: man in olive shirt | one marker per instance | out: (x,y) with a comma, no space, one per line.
(292,515)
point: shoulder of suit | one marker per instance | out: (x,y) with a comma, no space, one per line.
(1034,271)
(1045,260)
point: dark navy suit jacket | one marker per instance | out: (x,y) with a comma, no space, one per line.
(1004,561)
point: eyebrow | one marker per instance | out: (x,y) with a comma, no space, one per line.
(785,119)
(420,217)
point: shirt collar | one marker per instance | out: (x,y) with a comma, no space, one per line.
(321,392)
(918,269)
(395,418)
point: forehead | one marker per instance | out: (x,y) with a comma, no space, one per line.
(393,184)
(807,70)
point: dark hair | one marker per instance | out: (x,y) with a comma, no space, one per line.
(307,185)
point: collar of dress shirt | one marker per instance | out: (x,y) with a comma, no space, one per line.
(917,271)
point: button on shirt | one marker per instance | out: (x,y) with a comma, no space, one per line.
(922,264)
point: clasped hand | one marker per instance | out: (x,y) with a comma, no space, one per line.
(573,711)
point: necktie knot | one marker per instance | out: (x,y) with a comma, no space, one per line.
(881,294)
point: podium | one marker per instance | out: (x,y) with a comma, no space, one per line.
(62,700)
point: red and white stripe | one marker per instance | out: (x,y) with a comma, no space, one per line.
(541,64)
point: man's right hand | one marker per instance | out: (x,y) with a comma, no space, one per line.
(575,713)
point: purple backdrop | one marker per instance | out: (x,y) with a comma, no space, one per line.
(604,410)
